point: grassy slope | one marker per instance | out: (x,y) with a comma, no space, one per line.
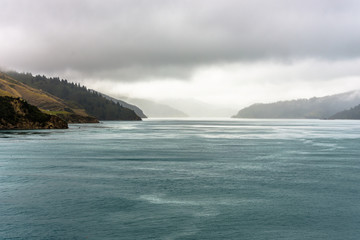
(93,103)
(45,101)
(11,87)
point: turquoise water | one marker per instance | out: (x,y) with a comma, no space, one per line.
(182,179)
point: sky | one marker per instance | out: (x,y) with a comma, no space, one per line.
(228,53)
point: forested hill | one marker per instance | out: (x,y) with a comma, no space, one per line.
(45,101)
(353,113)
(136,109)
(323,107)
(93,103)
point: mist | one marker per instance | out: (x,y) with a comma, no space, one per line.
(226,54)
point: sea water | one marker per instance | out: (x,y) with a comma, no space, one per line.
(182,179)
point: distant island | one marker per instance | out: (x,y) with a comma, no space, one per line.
(16,113)
(328,107)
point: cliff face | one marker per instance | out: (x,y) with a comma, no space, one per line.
(18,114)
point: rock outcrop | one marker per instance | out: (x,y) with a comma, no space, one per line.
(16,113)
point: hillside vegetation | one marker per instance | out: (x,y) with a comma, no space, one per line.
(43,100)
(316,108)
(78,96)
(136,109)
(16,113)
(353,113)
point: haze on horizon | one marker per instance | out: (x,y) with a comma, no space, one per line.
(227,54)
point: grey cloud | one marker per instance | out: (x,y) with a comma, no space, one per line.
(135,39)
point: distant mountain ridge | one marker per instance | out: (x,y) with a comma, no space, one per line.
(313,108)
(197,108)
(157,110)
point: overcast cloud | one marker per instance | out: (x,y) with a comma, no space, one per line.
(142,41)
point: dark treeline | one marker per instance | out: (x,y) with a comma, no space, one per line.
(353,113)
(77,96)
